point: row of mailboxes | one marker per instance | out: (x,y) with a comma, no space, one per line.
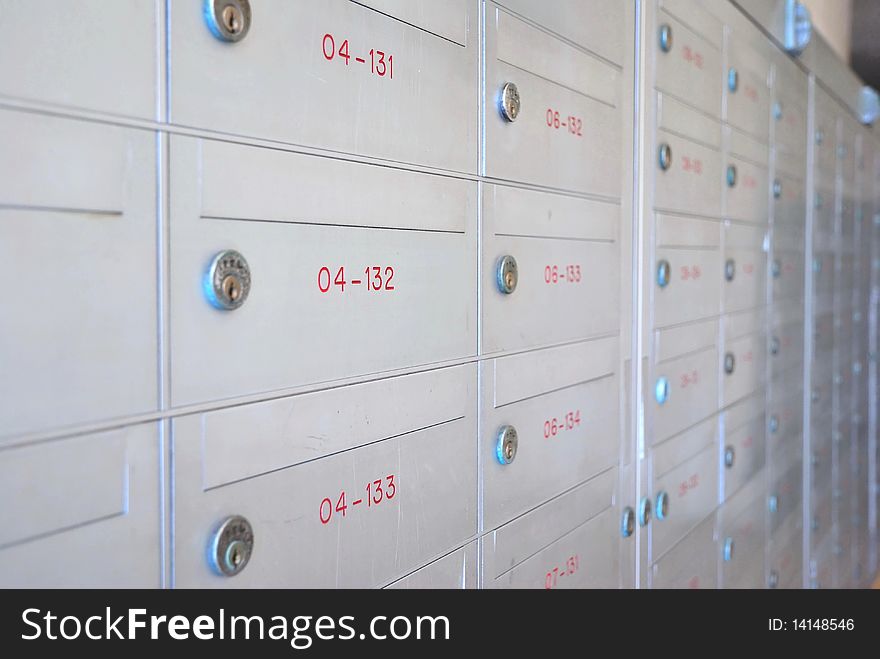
(390,346)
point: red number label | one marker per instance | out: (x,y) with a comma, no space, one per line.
(553,576)
(694,165)
(692,56)
(554,426)
(378,491)
(689,378)
(376,278)
(381,63)
(555,274)
(690,483)
(573,125)
(690,272)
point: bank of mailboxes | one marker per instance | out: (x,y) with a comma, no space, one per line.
(338,295)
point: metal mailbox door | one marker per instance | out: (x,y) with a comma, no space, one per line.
(564,129)
(789,191)
(746,178)
(745,267)
(687,52)
(691,250)
(565,416)
(395,83)
(790,109)
(742,446)
(785,407)
(85,512)
(747,88)
(569,542)
(785,555)
(566,257)
(741,537)
(743,359)
(683,388)
(353,282)
(825,136)
(458,569)
(84,200)
(823,279)
(693,563)
(786,346)
(787,266)
(685,476)
(80,55)
(349,487)
(588,23)
(687,162)
(786,489)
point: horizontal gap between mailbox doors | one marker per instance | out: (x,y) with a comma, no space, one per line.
(334,453)
(691,248)
(555,540)
(687,214)
(339,225)
(65,529)
(558,84)
(686,536)
(604,376)
(412,25)
(108,213)
(543,28)
(445,554)
(607,241)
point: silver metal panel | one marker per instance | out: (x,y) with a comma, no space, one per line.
(457,569)
(741,537)
(82,512)
(686,468)
(744,246)
(790,121)
(688,359)
(569,542)
(746,193)
(566,422)
(691,246)
(588,23)
(744,338)
(747,103)
(691,69)
(744,427)
(692,183)
(82,55)
(77,235)
(294,218)
(568,134)
(563,247)
(336,75)
(692,563)
(394,488)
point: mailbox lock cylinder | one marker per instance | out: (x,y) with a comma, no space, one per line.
(231,546)
(628,522)
(510,103)
(507,274)
(665,38)
(228,20)
(662,506)
(227,282)
(506,445)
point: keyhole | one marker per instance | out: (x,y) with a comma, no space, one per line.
(232,19)
(509,280)
(230,288)
(236,557)
(509,452)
